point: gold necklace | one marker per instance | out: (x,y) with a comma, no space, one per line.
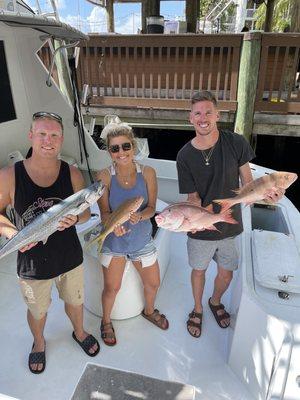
(207,156)
(125,178)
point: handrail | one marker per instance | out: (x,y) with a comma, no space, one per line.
(287,341)
(64,46)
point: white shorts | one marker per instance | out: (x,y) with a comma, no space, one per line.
(146,256)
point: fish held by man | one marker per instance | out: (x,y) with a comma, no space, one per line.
(259,189)
(116,218)
(190,217)
(47,223)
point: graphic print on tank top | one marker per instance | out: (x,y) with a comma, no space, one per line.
(35,209)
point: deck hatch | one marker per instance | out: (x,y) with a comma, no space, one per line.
(276,261)
(268,218)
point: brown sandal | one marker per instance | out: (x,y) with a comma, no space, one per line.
(219,317)
(157,319)
(190,323)
(108,335)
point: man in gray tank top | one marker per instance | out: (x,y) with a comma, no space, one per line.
(27,187)
(209,167)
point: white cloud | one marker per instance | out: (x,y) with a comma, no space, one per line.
(73,20)
(46,6)
(97,20)
(130,25)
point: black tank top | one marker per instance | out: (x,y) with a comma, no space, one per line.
(62,251)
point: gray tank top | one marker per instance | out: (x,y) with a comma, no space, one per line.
(140,233)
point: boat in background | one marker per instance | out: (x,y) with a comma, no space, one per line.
(256,358)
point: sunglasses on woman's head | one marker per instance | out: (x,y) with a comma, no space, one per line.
(115,148)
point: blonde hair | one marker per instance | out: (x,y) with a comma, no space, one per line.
(114,128)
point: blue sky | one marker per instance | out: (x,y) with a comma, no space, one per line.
(84,16)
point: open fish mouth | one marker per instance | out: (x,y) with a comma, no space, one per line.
(294,178)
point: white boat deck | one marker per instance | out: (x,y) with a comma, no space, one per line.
(142,347)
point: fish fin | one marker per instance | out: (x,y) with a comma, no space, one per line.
(236,191)
(209,208)
(212,228)
(227,217)
(248,203)
(224,203)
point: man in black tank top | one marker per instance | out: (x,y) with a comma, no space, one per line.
(31,187)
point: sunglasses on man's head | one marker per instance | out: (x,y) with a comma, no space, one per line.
(115,148)
(45,114)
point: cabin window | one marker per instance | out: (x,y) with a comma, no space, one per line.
(7,108)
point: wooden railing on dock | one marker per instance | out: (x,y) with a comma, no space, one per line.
(160,71)
(278,81)
(163,71)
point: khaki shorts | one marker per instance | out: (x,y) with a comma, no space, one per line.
(223,252)
(37,293)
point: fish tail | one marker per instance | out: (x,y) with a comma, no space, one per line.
(227,217)
(99,239)
(224,203)
(100,243)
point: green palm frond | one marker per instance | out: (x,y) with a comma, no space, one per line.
(281,16)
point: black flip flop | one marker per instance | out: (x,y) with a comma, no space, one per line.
(87,344)
(37,358)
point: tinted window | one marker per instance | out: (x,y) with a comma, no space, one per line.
(7,109)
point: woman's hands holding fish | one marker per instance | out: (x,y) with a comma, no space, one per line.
(120,230)
(67,221)
(135,217)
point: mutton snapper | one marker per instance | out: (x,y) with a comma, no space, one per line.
(47,223)
(190,217)
(259,189)
(116,218)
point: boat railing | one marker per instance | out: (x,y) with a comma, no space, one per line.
(280,369)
